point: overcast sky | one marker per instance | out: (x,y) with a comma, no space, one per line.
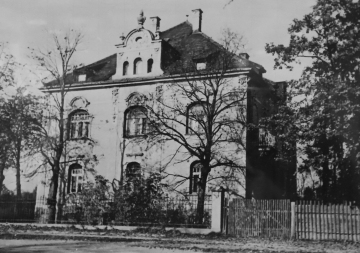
(24,23)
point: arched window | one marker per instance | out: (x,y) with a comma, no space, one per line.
(75,178)
(125,68)
(79,124)
(196,118)
(135,121)
(195,176)
(137,66)
(132,176)
(133,170)
(150,65)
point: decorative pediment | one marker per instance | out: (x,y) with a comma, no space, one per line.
(138,38)
(79,102)
(136,98)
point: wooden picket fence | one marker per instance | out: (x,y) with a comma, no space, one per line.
(264,218)
(317,221)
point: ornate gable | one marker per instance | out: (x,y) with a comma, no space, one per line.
(139,52)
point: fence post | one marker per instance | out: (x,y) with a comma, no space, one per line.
(293,224)
(216,211)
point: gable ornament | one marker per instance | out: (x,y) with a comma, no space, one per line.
(79,102)
(136,98)
(141,19)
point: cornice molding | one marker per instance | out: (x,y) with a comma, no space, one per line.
(158,79)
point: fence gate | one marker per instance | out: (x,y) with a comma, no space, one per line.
(263,218)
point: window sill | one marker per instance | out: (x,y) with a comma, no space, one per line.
(80,138)
(136,136)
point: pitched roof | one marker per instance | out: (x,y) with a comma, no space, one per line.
(184,44)
(101,70)
(197,45)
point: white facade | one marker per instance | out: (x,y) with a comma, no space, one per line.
(139,75)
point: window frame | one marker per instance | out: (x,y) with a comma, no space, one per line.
(74,124)
(193,187)
(77,177)
(137,66)
(144,124)
(189,120)
(126,68)
(150,65)
(133,179)
(135,174)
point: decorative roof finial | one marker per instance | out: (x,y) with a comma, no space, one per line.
(141,19)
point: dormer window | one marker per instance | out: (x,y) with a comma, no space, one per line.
(150,65)
(137,66)
(125,68)
(82,78)
(201,65)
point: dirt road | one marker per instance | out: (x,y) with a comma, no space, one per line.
(56,246)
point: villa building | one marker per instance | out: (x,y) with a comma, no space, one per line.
(107,100)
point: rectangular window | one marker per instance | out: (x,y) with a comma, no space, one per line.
(82,78)
(201,65)
(76,180)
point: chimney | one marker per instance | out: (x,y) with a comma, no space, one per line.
(244,56)
(196,19)
(155,25)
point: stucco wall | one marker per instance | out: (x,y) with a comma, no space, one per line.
(107,107)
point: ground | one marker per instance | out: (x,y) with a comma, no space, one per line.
(15,238)
(60,246)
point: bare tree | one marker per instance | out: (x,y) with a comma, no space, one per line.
(56,62)
(204,113)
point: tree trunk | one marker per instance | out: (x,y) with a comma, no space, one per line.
(18,172)
(62,194)
(200,205)
(326,178)
(51,201)
(201,200)
(2,168)
(122,149)
(54,184)
(3,160)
